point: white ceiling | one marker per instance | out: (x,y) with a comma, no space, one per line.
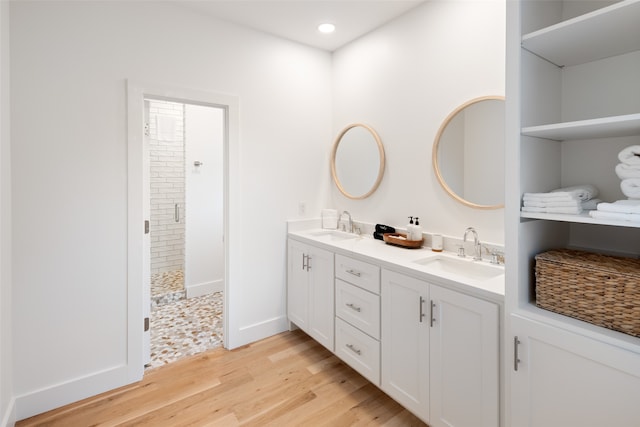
(298,20)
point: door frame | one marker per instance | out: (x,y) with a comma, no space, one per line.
(136,93)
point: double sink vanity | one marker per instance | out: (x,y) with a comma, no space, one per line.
(423,326)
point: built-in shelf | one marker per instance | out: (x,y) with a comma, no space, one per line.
(582,218)
(604,127)
(575,41)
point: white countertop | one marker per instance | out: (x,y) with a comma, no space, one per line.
(403,261)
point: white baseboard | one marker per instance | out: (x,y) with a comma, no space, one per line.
(46,399)
(205,288)
(252,333)
(9,418)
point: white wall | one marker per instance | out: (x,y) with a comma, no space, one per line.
(69,61)
(403,80)
(7,415)
(204,250)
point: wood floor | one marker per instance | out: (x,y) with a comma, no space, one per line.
(285,380)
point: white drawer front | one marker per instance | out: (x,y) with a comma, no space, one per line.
(362,274)
(358,350)
(358,307)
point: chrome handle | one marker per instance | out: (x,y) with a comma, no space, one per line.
(421,311)
(433,319)
(353,307)
(304,264)
(355,350)
(308,262)
(516,359)
(355,273)
(176,213)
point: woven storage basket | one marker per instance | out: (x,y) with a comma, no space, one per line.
(599,289)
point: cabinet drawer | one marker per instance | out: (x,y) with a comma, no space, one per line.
(362,274)
(358,350)
(358,307)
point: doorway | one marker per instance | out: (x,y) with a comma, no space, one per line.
(184,150)
(138,274)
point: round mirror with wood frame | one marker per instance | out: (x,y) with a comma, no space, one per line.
(357,161)
(468,153)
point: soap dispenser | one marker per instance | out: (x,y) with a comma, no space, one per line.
(417,231)
(410,229)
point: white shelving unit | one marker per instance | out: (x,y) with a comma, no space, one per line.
(610,31)
(573,102)
(605,127)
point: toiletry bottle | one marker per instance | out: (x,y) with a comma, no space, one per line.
(410,229)
(417,231)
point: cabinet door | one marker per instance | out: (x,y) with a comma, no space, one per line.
(565,379)
(405,341)
(297,284)
(321,296)
(464,354)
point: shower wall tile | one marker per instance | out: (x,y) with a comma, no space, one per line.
(167,188)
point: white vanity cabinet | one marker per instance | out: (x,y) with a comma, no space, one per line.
(440,352)
(566,379)
(405,341)
(464,360)
(310,291)
(433,349)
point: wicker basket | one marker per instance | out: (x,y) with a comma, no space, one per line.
(599,289)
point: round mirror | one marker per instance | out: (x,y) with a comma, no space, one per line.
(468,153)
(357,161)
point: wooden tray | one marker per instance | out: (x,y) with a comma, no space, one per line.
(393,239)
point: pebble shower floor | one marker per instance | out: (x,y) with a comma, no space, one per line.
(185,327)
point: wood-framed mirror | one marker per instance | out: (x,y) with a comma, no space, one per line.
(357,161)
(468,153)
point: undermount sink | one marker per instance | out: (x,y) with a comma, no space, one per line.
(475,270)
(333,235)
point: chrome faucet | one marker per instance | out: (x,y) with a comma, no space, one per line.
(350,230)
(477,247)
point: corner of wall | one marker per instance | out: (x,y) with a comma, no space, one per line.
(7,400)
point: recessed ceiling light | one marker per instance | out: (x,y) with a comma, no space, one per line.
(326,28)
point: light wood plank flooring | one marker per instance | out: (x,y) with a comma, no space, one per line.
(285,380)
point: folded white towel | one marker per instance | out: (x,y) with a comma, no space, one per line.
(615,215)
(560,210)
(582,192)
(625,171)
(549,197)
(551,203)
(621,206)
(631,187)
(630,155)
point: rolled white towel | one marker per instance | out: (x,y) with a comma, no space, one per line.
(625,171)
(615,216)
(631,187)
(630,155)
(559,210)
(621,206)
(582,192)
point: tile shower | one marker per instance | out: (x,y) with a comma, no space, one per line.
(167,200)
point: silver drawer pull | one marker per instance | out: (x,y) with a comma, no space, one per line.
(354,272)
(355,350)
(354,307)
